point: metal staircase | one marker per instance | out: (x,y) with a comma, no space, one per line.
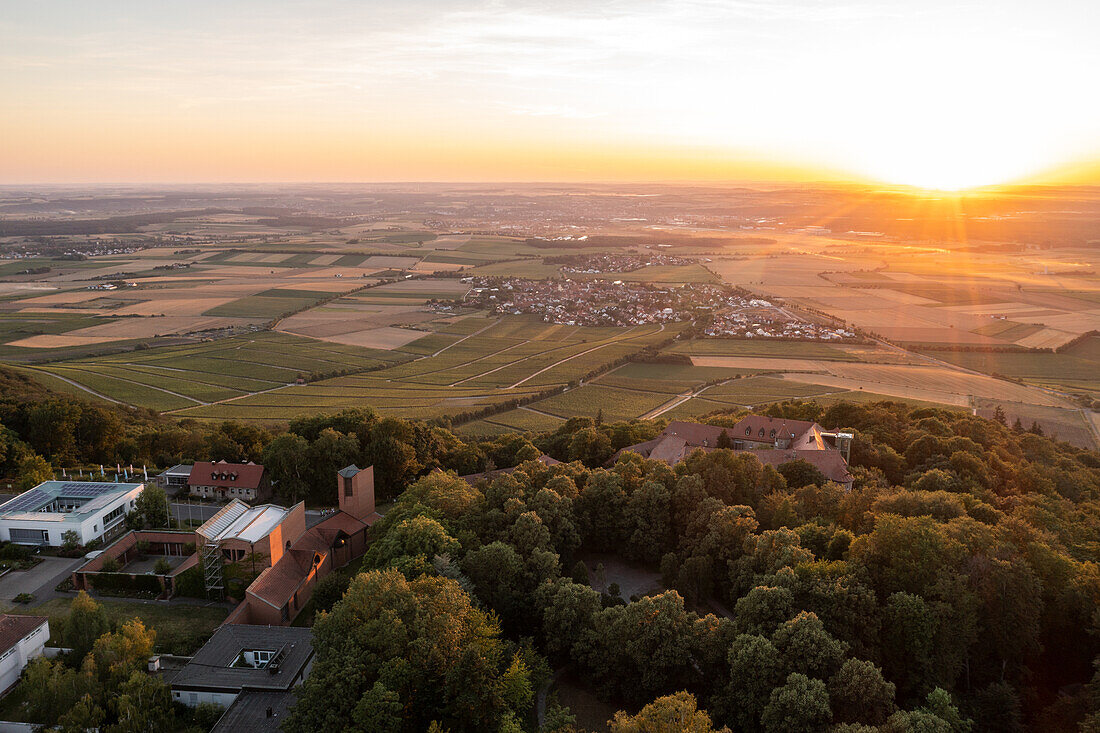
(212,571)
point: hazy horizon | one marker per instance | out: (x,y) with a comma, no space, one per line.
(529,91)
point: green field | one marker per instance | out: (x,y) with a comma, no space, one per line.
(269,304)
(615,404)
(173,378)
(761,347)
(466,365)
(1076,369)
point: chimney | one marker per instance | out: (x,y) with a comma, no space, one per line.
(355,491)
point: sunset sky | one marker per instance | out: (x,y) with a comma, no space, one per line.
(938,93)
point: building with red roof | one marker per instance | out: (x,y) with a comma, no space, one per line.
(22,638)
(222,480)
(773,441)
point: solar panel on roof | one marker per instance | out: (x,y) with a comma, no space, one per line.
(86,489)
(25,501)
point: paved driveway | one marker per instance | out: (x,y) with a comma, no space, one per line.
(40,580)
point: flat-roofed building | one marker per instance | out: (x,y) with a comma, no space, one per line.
(42,515)
(174,480)
(241,658)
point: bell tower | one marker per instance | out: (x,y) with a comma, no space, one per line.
(355,490)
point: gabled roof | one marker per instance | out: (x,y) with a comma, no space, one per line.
(231,475)
(277,584)
(679,439)
(13,629)
(670,448)
(804,431)
(829,462)
(344,522)
(237,520)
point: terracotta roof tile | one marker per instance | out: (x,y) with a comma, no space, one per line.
(248,475)
(14,629)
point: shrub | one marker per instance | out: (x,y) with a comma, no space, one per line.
(126,585)
(16,553)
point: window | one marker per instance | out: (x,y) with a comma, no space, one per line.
(347,487)
(114,515)
(253,658)
(30,536)
(286,612)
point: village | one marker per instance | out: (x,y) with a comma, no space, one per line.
(721,311)
(608,263)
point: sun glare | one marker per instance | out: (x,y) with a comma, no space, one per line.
(947,165)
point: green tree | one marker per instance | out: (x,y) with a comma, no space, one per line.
(568,613)
(70,540)
(648,522)
(859,694)
(379,709)
(328,454)
(419,537)
(85,715)
(763,609)
(142,703)
(152,506)
(287,461)
(590,446)
(330,590)
(806,647)
(637,650)
(422,639)
(120,654)
(799,706)
(33,470)
(87,622)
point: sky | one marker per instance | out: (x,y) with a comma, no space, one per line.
(935,93)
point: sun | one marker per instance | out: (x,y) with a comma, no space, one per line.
(943,155)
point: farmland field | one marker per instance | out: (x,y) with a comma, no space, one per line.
(182,327)
(760,347)
(481,363)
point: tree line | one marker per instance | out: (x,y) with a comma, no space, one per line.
(954,588)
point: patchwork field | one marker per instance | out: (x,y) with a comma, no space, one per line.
(464,365)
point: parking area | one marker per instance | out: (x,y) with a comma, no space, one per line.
(45,575)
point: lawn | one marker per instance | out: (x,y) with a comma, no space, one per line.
(181,629)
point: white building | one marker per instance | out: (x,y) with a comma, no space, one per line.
(22,638)
(40,516)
